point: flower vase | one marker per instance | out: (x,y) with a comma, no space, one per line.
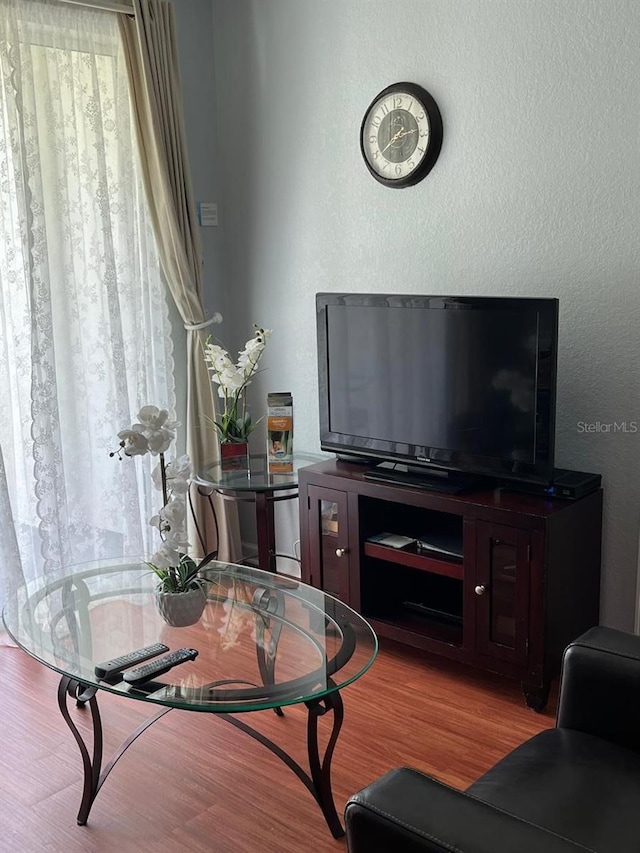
(234,456)
(181,608)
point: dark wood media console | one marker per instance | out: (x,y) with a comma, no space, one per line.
(520,581)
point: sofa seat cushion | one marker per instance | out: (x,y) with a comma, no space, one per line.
(576,785)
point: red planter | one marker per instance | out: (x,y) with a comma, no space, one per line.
(234,456)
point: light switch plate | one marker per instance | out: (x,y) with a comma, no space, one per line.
(208,213)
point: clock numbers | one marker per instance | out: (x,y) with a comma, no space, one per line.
(396,136)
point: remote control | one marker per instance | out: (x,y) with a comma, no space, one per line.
(110,668)
(157,667)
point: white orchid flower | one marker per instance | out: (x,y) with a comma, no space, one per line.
(179,468)
(159,440)
(153,433)
(177,473)
(166,557)
(153,418)
(173,513)
(155,425)
(234,422)
(217,357)
(135,443)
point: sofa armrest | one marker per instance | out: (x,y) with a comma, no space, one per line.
(408,811)
(600,686)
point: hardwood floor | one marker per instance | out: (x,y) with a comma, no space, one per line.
(194,783)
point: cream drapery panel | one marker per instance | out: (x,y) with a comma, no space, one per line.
(152,61)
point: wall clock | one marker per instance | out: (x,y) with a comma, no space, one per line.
(401,135)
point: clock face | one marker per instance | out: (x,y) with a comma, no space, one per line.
(401,135)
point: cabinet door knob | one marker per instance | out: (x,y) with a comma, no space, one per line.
(340,552)
(481,589)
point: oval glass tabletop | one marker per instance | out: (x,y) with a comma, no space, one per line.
(256,477)
(263,641)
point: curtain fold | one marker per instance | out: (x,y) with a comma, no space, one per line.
(9,553)
(85,336)
(152,63)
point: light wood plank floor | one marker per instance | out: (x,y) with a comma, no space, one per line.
(193,783)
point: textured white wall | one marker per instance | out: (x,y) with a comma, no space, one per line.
(536,193)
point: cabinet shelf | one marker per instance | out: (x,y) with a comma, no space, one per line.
(416,558)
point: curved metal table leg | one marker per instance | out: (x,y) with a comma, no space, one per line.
(91,764)
(319,782)
(321,767)
(94,777)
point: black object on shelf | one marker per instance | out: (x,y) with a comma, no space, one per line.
(432,612)
(444,542)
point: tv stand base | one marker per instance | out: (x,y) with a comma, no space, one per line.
(482,579)
(449,483)
(355,459)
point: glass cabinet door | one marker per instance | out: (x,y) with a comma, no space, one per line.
(329,541)
(502,591)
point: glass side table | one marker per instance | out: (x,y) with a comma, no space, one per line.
(258,485)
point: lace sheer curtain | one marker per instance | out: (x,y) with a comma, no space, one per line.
(85,337)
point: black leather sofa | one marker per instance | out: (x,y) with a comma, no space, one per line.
(574,787)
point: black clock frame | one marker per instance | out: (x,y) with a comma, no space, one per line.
(435,135)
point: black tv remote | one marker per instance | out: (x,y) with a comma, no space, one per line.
(111,668)
(157,667)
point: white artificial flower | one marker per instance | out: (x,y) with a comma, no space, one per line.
(153,433)
(174,546)
(166,557)
(218,358)
(159,440)
(232,379)
(178,474)
(153,418)
(156,476)
(174,513)
(135,443)
(179,485)
(155,426)
(177,540)
(262,334)
(180,467)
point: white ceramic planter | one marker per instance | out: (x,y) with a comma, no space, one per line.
(181,608)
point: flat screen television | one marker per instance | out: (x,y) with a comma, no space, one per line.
(456,384)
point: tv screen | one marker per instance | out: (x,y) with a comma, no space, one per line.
(458,383)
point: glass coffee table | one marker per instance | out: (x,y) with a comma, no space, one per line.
(264,642)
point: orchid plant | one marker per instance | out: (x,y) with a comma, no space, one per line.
(235,424)
(153,433)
